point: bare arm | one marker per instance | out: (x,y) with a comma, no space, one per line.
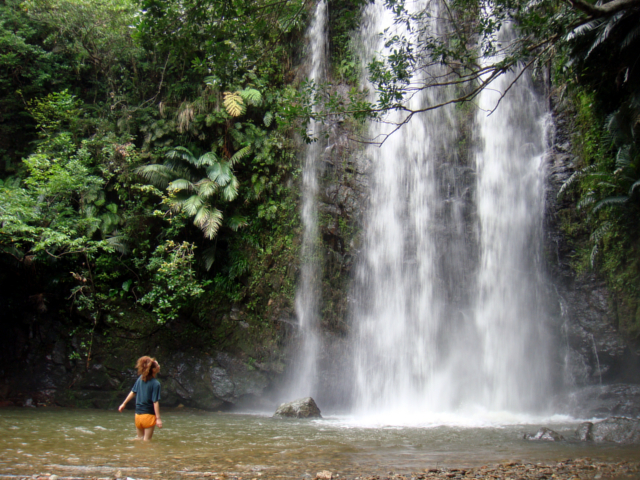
(156,408)
(126,400)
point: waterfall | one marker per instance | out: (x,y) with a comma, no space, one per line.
(447,316)
(304,378)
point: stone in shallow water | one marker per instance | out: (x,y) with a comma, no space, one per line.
(301,408)
(617,430)
(544,434)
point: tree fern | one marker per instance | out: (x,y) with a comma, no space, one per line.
(251,96)
(234,104)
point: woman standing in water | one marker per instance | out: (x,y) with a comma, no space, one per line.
(147,393)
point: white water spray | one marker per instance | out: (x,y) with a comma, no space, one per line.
(304,379)
(448,317)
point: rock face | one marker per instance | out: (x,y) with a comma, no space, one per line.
(199,380)
(301,408)
(615,429)
(601,373)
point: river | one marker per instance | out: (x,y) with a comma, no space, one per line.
(98,443)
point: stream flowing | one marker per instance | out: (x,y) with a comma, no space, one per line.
(97,443)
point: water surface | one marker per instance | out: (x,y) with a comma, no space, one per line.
(97,443)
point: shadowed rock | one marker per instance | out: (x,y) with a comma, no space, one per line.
(301,408)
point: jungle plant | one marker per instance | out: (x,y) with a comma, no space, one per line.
(174,282)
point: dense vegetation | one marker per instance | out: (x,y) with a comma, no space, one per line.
(146,172)
(149,170)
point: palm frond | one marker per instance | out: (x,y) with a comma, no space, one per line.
(236,222)
(220,173)
(208,220)
(207,187)
(192,205)
(605,30)
(158,175)
(181,153)
(208,257)
(234,104)
(632,36)
(207,159)
(239,155)
(230,191)
(181,184)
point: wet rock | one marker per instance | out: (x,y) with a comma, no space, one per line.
(602,401)
(301,408)
(583,432)
(544,434)
(324,475)
(617,429)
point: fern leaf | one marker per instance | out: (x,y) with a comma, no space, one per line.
(119,242)
(251,96)
(634,187)
(268,118)
(239,155)
(609,202)
(600,232)
(594,254)
(586,201)
(234,104)
(623,158)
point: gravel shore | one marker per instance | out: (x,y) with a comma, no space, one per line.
(578,469)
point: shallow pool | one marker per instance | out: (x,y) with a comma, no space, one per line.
(97,443)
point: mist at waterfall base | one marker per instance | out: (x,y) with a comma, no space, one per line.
(449,316)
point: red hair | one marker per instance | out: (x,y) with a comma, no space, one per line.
(147,367)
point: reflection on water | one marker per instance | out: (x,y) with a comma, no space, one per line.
(87,443)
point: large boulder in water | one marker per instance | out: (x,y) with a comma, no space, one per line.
(301,408)
(615,429)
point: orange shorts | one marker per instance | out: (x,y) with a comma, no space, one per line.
(146,420)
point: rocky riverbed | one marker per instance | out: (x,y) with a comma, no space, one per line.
(570,469)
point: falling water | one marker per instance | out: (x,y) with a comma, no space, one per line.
(447,317)
(304,375)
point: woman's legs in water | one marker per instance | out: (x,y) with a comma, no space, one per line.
(140,433)
(148,433)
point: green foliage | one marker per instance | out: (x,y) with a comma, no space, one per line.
(174,282)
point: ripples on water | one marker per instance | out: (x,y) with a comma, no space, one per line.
(89,443)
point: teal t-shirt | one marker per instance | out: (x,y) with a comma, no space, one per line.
(147,393)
